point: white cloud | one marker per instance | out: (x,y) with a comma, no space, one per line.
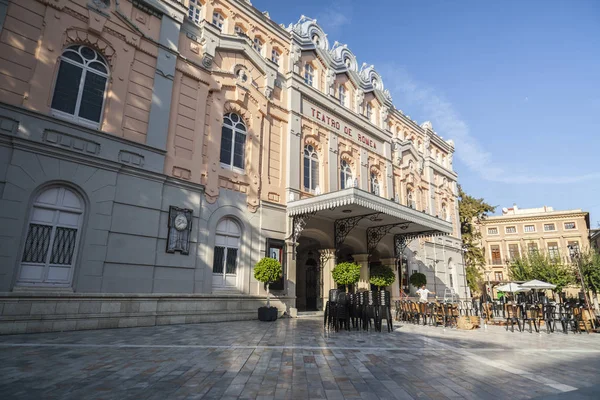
(447,121)
(332,18)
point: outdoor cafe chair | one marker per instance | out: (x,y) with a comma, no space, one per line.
(512,316)
(548,311)
(566,319)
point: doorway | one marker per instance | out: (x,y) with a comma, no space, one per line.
(312,284)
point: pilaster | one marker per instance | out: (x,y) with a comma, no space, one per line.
(364,170)
(394,287)
(363,261)
(162,92)
(291,271)
(332,167)
(329,256)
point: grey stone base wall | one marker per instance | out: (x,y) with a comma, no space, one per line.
(57,312)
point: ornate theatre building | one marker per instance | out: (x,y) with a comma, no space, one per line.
(152,151)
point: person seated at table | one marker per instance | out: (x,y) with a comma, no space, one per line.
(423,293)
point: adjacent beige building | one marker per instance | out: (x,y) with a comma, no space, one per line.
(518,232)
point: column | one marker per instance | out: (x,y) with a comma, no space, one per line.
(327,282)
(395,287)
(291,273)
(363,261)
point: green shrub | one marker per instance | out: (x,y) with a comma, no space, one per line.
(418,279)
(382,276)
(268,270)
(346,273)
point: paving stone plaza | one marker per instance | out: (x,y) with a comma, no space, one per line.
(297,359)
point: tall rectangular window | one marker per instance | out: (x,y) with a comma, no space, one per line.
(553,250)
(513,251)
(499,277)
(194,11)
(496,257)
(532,248)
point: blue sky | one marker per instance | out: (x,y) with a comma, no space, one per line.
(516,84)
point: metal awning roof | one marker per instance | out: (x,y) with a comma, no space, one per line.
(376,210)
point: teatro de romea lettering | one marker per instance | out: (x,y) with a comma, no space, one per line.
(151,152)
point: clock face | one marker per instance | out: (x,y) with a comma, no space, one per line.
(181,222)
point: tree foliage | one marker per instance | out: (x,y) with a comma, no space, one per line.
(474,278)
(346,273)
(267,270)
(589,263)
(418,279)
(544,268)
(471,212)
(382,276)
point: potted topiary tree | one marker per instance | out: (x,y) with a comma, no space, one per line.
(382,276)
(346,273)
(267,270)
(418,279)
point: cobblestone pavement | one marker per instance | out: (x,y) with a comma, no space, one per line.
(296,359)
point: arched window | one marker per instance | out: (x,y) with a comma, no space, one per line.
(258,45)
(52,238)
(445,212)
(218,20)
(410,200)
(226,253)
(309,74)
(369,111)
(239,30)
(275,56)
(311,168)
(374,184)
(346,178)
(80,85)
(233,141)
(342,91)
(195,11)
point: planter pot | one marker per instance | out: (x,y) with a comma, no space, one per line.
(267,313)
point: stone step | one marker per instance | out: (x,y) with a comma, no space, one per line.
(310,314)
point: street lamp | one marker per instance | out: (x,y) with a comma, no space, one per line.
(487,296)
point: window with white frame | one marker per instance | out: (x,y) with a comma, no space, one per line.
(233,142)
(311,168)
(369,109)
(342,95)
(532,248)
(375,184)
(258,45)
(570,225)
(195,11)
(275,56)
(52,238)
(218,20)
(309,74)
(346,178)
(80,86)
(513,251)
(410,200)
(445,215)
(239,30)
(492,231)
(549,227)
(553,250)
(226,253)
(511,229)
(529,228)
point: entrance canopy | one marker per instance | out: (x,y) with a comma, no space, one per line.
(354,208)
